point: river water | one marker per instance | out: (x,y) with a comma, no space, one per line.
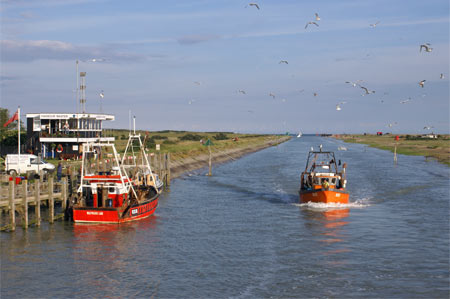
(242,234)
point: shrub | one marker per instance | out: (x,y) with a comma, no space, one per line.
(220,136)
(191,137)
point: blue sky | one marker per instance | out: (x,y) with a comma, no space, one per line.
(154,51)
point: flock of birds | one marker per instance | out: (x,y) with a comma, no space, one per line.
(426,47)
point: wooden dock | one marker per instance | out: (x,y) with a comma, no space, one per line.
(19,197)
(16,199)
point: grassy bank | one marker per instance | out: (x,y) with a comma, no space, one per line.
(187,152)
(438,149)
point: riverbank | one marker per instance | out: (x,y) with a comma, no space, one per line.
(436,148)
(181,164)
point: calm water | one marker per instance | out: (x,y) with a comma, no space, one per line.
(241,234)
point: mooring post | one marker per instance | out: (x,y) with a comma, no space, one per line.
(25,204)
(64,193)
(164,169)
(168,169)
(51,202)
(160,166)
(12,208)
(37,198)
(209,162)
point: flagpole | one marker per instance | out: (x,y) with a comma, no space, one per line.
(18,143)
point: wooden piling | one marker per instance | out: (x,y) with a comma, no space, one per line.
(25,204)
(51,201)
(64,192)
(168,169)
(160,166)
(12,208)
(37,198)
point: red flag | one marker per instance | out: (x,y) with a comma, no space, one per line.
(13,118)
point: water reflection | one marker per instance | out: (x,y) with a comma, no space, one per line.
(104,254)
(329,228)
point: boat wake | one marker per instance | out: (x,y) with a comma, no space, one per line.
(320,206)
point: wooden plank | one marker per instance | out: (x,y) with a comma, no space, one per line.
(25,204)
(12,206)
(51,202)
(64,192)
(37,207)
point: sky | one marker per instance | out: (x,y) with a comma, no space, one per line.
(185,65)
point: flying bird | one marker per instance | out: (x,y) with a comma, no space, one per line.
(427,47)
(198,82)
(191,101)
(315,94)
(375,24)
(422,83)
(254,4)
(391,125)
(317,16)
(283,61)
(242,91)
(272,95)
(428,127)
(367,90)
(442,76)
(353,83)
(338,106)
(405,101)
(311,24)
(301,90)
(102,94)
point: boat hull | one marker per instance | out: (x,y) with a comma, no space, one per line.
(115,215)
(324,196)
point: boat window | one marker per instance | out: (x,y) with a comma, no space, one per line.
(112,190)
(316,180)
(333,181)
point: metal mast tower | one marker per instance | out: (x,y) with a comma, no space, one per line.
(83,91)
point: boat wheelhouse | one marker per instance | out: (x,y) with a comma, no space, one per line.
(322,181)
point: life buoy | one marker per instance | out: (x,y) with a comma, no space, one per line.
(59,148)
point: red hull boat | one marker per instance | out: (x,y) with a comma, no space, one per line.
(113,191)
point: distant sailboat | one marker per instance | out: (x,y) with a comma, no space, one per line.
(299,135)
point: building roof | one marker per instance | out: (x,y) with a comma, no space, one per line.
(52,115)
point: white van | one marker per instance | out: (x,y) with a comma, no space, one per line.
(27,163)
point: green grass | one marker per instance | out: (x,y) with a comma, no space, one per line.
(407,145)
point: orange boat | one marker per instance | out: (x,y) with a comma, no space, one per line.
(322,181)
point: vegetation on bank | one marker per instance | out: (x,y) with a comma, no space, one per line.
(437,148)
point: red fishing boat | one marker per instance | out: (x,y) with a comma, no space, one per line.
(322,181)
(111,192)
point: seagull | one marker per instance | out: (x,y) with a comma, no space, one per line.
(375,25)
(405,101)
(272,95)
(427,47)
(311,23)
(367,90)
(391,125)
(242,91)
(338,106)
(191,101)
(422,83)
(283,61)
(442,76)
(301,90)
(102,94)
(428,127)
(315,94)
(353,83)
(198,82)
(317,16)
(254,4)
